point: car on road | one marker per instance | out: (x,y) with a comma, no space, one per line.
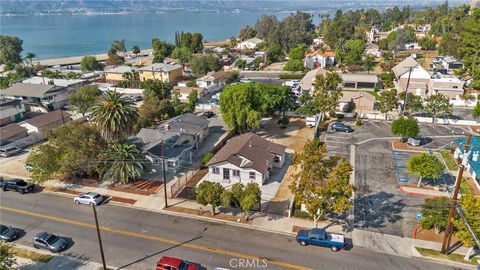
(171,263)
(48,241)
(208,114)
(9,151)
(91,198)
(213,101)
(339,126)
(136,98)
(319,237)
(414,142)
(17,185)
(7,233)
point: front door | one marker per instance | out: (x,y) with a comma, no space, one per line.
(226,173)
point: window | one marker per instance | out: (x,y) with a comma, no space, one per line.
(455,87)
(215,170)
(252,175)
(236,173)
(276,159)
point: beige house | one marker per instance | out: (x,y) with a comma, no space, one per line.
(185,91)
(361,102)
(419,77)
(212,79)
(306,84)
(115,75)
(450,86)
(167,73)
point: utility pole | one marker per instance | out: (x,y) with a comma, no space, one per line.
(164,175)
(99,238)
(406,91)
(449,230)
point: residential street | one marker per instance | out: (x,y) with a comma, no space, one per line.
(136,239)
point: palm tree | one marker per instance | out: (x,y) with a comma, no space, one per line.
(341,46)
(123,163)
(115,115)
(30,56)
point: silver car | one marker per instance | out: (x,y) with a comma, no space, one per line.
(91,198)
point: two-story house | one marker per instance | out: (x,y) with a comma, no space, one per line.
(38,97)
(319,59)
(245,158)
(11,111)
(168,73)
(115,75)
(211,81)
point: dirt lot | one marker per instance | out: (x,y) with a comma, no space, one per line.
(15,165)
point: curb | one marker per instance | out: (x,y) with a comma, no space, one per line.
(418,193)
(447,262)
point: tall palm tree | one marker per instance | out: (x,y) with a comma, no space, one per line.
(115,115)
(341,46)
(123,163)
(30,56)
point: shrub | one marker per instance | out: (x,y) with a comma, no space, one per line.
(206,158)
(283,121)
(358,122)
(291,76)
(340,116)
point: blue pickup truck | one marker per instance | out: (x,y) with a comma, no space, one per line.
(319,237)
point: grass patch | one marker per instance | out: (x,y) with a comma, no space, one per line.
(31,255)
(287,76)
(465,187)
(450,257)
(451,164)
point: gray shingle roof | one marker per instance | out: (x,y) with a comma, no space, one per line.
(404,66)
(161,67)
(187,123)
(31,90)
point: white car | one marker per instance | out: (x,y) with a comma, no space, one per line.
(91,198)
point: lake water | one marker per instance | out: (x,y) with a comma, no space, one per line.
(71,35)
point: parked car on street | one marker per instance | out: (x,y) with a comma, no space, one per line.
(339,126)
(170,263)
(414,142)
(7,233)
(91,198)
(49,242)
(208,114)
(311,121)
(17,185)
(319,237)
(9,151)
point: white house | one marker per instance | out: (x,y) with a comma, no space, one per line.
(318,59)
(419,77)
(245,158)
(211,80)
(412,46)
(38,97)
(184,92)
(249,43)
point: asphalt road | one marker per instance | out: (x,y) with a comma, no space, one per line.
(136,239)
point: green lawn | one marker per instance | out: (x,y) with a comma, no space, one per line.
(451,164)
(465,187)
(31,255)
(451,257)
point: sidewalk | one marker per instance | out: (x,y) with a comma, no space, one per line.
(423,192)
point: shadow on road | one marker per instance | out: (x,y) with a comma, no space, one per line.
(198,236)
(374,210)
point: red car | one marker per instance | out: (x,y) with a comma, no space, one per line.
(170,263)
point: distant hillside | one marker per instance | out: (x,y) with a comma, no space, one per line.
(115,6)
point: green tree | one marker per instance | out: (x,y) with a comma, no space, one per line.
(425,166)
(154,110)
(10,50)
(90,63)
(294,65)
(236,101)
(7,257)
(321,184)
(470,45)
(84,98)
(476,110)
(353,56)
(192,100)
(247,32)
(124,162)
(327,92)
(30,56)
(136,50)
(413,102)
(437,105)
(387,102)
(307,105)
(233,42)
(209,193)
(245,197)
(206,157)
(201,64)
(156,88)
(183,54)
(60,157)
(240,63)
(369,63)
(131,79)
(160,50)
(114,58)
(435,213)
(427,43)
(276,99)
(405,127)
(470,206)
(115,115)
(197,42)
(295,29)
(266,25)
(119,46)
(231,76)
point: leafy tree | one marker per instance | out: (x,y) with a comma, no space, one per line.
(327,92)
(470,45)
(425,166)
(119,46)
(294,65)
(84,98)
(154,110)
(236,101)
(254,119)
(240,63)
(405,127)
(476,110)
(10,50)
(470,205)
(113,57)
(7,257)
(387,102)
(30,56)
(340,28)
(209,193)
(60,157)
(413,102)
(192,100)
(266,25)
(435,213)
(246,197)
(298,52)
(90,63)
(197,42)
(396,40)
(123,163)
(156,88)
(233,42)
(369,63)
(131,79)
(115,115)
(231,76)
(206,157)
(387,55)
(321,184)
(247,32)
(293,30)
(448,45)
(160,50)
(136,50)
(276,99)
(428,43)
(437,104)
(201,64)
(178,106)
(307,105)
(353,55)
(183,54)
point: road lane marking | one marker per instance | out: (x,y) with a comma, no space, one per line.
(153,238)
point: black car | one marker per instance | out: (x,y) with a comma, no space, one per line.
(208,114)
(339,126)
(17,185)
(8,234)
(49,241)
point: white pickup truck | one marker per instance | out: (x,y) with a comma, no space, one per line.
(311,121)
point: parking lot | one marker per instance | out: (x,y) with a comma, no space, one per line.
(379,204)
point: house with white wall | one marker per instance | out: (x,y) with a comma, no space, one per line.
(38,97)
(245,158)
(318,59)
(249,43)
